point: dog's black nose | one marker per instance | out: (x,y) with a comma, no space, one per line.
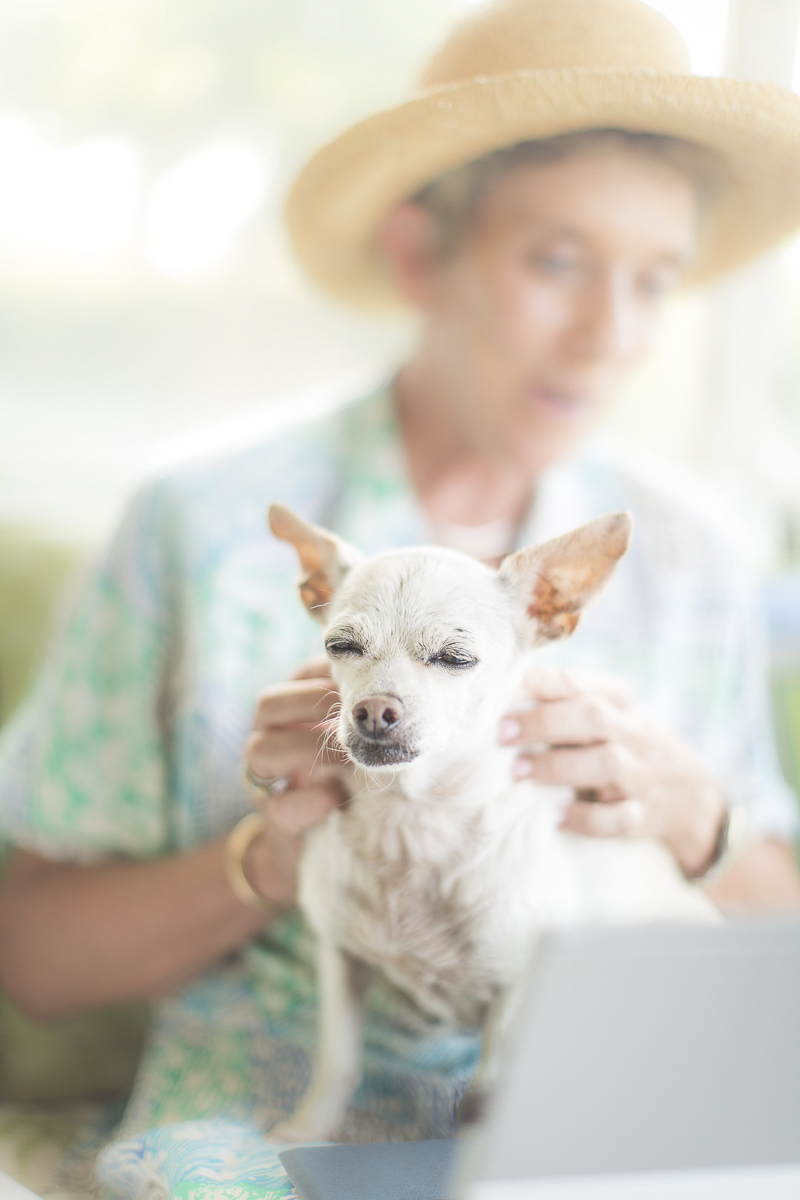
(375,716)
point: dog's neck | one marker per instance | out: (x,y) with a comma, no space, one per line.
(468,780)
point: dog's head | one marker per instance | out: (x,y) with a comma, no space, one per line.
(424,642)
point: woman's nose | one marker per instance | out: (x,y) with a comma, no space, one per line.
(609,326)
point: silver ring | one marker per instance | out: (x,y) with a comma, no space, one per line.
(273,785)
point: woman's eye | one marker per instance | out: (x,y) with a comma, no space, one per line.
(454,662)
(344,649)
(554,264)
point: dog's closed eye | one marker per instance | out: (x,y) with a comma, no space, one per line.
(343,647)
(453,659)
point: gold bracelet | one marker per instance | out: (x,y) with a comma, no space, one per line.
(236,846)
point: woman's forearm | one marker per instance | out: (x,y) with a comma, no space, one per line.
(76,937)
(764,879)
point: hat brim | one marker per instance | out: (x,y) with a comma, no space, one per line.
(343,194)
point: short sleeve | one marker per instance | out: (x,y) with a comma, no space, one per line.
(84,764)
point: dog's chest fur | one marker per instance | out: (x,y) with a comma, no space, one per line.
(385,880)
(444,895)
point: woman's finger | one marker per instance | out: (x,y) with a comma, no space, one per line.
(546,682)
(589,717)
(297,702)
(301,808)
(605,767)
(625,818)
(288,751)
(318,667)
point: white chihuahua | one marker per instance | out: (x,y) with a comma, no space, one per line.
(439,870)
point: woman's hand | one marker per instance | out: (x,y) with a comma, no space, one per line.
(290,738)
(632,777)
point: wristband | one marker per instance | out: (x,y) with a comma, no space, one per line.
(730,840)
(236,846)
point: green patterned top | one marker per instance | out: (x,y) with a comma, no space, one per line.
(131,742)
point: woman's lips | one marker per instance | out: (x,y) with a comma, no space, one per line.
(566,405)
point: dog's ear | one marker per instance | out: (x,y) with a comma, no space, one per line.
(324,557)
(552,583)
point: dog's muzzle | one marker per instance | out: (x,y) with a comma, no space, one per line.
(377,737)
(379,754)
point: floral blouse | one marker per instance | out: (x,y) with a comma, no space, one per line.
(132,741)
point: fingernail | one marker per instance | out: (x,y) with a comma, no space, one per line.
(508,730)
(521,768)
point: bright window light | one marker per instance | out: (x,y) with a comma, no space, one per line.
(197,208)
(60,206)
(704,25)
(796,71)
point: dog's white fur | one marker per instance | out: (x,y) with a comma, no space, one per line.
(439,871)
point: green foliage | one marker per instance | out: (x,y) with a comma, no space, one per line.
(33,570)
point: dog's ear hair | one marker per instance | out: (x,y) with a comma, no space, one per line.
(552,583)
(324,557)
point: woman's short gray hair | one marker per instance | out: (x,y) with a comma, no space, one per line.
(453,199)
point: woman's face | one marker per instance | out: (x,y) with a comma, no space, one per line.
(554,294)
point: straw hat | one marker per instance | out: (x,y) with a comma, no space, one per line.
(525,69)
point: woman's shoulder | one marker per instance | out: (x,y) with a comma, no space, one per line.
(206,506)
(226,475)
(295,437)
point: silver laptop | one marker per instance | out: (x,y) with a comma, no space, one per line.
(11,1190)
(658,1063)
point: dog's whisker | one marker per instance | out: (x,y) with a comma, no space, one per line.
(382,791)
(332,750)
(327,749)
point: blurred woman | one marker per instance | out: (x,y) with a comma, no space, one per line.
(560,173)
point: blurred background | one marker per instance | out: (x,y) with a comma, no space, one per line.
(149,307)
(150,311)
